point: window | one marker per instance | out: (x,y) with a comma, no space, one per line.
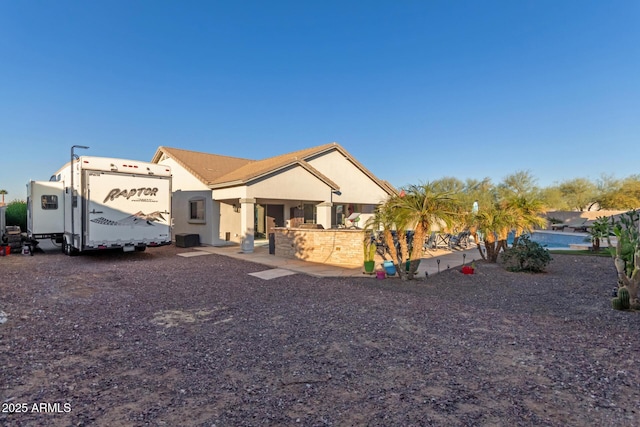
(309,213)
(196,210)
(49,202)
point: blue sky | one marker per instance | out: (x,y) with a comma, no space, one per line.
(415,90)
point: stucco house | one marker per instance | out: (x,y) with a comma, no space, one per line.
(224,198)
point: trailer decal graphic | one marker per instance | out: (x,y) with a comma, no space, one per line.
(116,192)
(137,219)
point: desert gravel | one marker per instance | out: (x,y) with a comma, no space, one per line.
(155,339)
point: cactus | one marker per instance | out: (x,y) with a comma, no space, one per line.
(627,252)
(623,296)
(616,304)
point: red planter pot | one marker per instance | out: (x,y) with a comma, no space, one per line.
(467,270)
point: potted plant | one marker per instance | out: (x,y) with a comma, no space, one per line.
(469,269)
(369,254)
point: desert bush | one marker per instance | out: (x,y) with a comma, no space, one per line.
(16,214)
(526,255)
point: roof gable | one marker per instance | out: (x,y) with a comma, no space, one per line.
(224,171)
(260,168)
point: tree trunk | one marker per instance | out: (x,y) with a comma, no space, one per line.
(391,247)
(482,253)
(404,254)
(416,250)
(492,247)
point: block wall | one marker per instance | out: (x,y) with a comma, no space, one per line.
(334,246)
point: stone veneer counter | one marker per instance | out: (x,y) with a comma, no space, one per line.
(335,246)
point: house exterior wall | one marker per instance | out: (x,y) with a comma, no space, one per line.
(295,183)
(186,187)
(232,193)
(207,230)
(335,246)
(230,223)
(289,187)
(355,186)
(182,178)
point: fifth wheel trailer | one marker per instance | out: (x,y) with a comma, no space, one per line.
(108,203)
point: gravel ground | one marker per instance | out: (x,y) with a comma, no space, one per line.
(155,339)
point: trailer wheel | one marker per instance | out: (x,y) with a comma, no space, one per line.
(68,249)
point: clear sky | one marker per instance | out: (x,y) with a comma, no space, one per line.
(415,90)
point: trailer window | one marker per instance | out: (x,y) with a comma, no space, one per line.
(49,202)
(196,210)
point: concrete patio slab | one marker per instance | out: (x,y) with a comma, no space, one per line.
(429,262)
(192,254)
(272,274)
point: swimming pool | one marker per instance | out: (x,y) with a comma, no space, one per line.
(557,239)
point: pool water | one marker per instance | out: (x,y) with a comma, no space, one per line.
(556,239)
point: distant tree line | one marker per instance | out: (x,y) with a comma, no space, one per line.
(577,194)
(489,212)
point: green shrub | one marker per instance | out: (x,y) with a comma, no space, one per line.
(16,214)
(526,256)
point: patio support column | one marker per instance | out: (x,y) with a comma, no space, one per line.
(247,222)
(323,211)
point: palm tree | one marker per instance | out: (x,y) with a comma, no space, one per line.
(419,209)
(3,193)
(494,222)
(383,221)
(527,212)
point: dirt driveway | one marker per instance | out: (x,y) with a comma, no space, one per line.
(156,339)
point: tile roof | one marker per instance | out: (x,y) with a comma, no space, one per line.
(272,164)
(223,171)
(204,166)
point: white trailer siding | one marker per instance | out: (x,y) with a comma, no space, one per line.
(126,209)
(118,203)
(45,208)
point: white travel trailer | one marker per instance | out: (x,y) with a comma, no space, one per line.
(106,203)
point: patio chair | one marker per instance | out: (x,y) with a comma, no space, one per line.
(430,243)
(461,240)
(352,220)
(580,225)
(443,240)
